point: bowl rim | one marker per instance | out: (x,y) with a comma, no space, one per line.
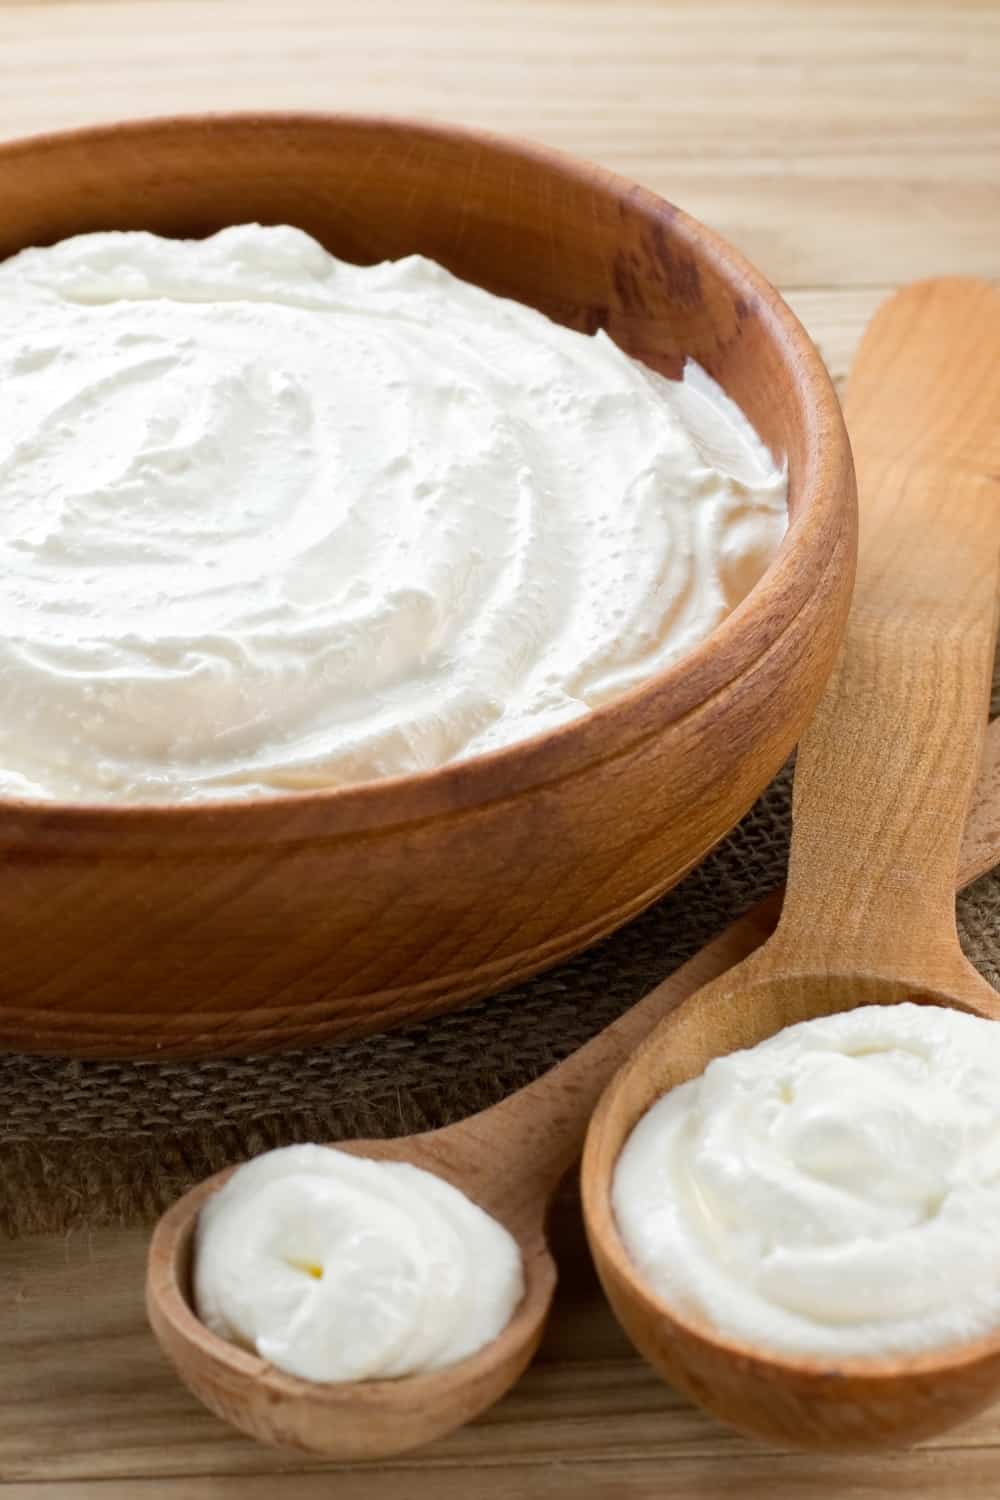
(613,729)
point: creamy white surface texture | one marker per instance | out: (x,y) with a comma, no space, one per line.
(272,521)
(338,1267)
(834,1191)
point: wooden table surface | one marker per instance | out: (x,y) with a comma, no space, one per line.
(846,148)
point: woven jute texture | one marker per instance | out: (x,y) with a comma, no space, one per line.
(102,1143)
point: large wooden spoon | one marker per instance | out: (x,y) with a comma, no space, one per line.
(883,779)
(509,1159)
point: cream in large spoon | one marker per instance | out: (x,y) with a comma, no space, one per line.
(831,1192)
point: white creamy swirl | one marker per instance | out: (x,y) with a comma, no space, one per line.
(834,1191)
(337,1267)
(269,520)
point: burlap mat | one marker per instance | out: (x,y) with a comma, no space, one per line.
(100,1143)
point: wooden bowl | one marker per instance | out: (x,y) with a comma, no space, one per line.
(226,927)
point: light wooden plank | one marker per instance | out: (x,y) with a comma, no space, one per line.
(84,1394)
(917,1476)
(835,319)
(836,144)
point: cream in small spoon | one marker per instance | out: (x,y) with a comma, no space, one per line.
(338,1267)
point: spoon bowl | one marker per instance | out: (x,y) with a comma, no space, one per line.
(352,1420)
(839,1405)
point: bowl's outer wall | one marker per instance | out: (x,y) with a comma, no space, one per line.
(240,927)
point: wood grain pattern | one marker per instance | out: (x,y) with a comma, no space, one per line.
(265,922)
(844,148)
(882,782)
(835,143)
(783,1478)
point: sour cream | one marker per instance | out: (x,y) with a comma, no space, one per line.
(337,1267)
(270,521)
(833,1192)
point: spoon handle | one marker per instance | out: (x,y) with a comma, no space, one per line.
(886,768)
(534,1136)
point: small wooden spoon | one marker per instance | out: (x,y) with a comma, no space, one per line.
(509,1159)
(883,779)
